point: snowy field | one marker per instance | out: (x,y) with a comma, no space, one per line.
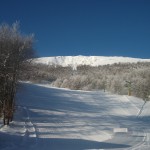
(58,119)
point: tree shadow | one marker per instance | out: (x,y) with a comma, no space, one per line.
(79,144)
(14,142)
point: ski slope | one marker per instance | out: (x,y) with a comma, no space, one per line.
(59,119)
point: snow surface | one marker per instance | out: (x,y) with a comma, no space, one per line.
(48,118)
(75,61)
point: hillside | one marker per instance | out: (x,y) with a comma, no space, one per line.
(111,78)
(58,119)
(75,61)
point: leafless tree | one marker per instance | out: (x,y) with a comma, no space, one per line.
(15,49)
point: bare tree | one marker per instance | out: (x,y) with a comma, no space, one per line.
(15,49)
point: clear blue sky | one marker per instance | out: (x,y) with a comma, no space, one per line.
(83,27)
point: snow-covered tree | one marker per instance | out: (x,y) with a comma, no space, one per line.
(15,49)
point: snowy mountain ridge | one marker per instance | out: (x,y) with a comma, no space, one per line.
(75,61)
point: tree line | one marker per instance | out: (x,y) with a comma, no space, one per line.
(15,50)
(113,78)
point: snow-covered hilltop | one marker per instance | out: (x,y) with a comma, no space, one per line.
(75,61)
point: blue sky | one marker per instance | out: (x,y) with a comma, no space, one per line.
(83,27)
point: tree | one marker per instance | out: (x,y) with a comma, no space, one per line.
(129,86)
(15,50)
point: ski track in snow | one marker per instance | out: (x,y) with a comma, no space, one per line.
(29,127)
(59,119)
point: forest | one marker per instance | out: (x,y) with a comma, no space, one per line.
(122,78)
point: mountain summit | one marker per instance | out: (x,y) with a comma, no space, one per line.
(75,61)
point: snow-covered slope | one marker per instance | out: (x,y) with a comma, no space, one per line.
(75,61)
(48,118)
